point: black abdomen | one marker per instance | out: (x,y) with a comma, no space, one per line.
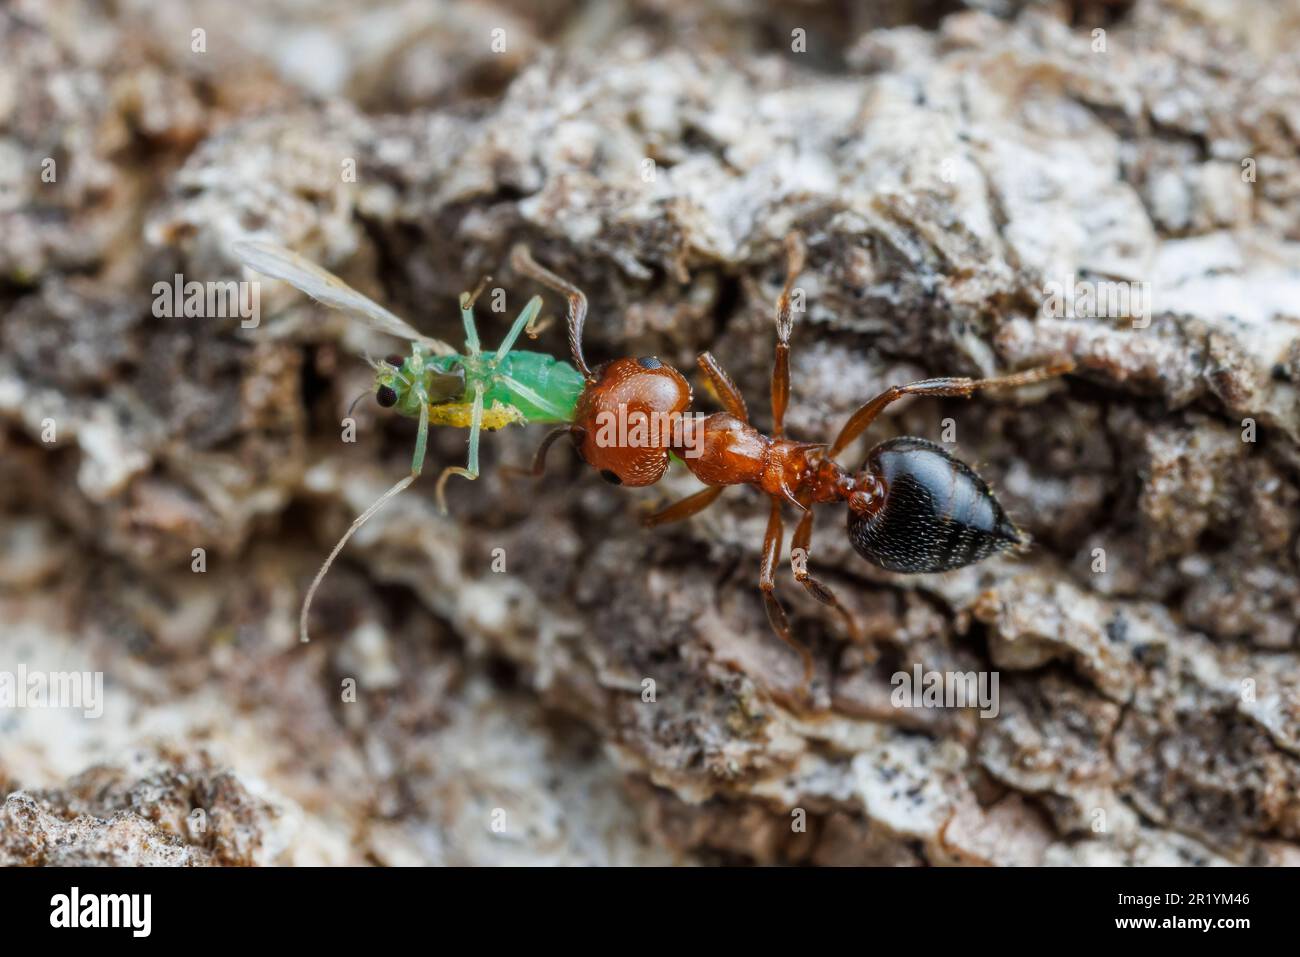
(937,513)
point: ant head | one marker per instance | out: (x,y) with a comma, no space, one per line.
(626,419)
(915,508)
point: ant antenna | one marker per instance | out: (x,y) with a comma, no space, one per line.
(361,520)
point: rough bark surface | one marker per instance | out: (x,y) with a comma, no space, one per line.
(943,162)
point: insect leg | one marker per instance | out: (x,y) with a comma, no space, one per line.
(767,582)
(417,465)
(862,419)
(524,264)
(527,320)
(467,316)
(794,260)
(684,508)
(471,473)
(722,386)
(800,552)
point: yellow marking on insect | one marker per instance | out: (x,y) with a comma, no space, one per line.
(458,415)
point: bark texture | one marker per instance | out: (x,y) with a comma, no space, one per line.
(944,162)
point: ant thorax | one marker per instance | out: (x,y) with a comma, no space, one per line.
(830,482)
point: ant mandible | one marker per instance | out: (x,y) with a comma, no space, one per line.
(912,507)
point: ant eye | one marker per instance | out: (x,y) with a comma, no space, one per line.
(649,362)
(610,477)
(386,396)
(394,361)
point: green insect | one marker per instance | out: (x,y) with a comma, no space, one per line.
(476,390)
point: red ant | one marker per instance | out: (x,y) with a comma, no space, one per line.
(912,506)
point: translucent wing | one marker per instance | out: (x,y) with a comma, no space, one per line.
(322,285)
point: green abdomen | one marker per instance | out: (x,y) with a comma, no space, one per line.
(556,384)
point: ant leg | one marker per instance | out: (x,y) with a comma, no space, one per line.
(685,508)
(800,552)
(524,264)
(527,321)
(471,473)
(538,468)
(862,419)
(767,582)
(794,260)
(722,387)
(417,466)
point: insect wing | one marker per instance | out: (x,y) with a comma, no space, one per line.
(323,286)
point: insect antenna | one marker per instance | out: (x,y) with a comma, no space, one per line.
(361,520)
(386,369)
(355,401)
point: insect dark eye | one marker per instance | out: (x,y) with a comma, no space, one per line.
(394,361)
(649,362)
(610,477)
(386,396)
